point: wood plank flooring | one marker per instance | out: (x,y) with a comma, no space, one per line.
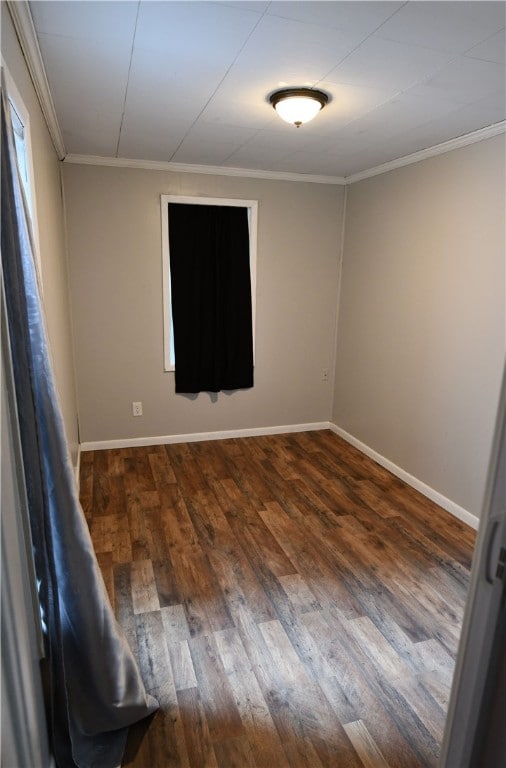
(291,603)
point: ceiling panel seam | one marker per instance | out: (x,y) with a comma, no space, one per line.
(221,81)
(128,78)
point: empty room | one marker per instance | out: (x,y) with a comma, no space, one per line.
(253,346)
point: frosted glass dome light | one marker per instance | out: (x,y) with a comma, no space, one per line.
(298,105)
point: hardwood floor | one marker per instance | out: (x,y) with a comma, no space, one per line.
(291,603)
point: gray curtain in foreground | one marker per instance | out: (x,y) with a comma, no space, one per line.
(95,689)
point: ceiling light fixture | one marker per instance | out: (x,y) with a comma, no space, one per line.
(298,105)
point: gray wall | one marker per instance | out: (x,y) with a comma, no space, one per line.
(114,238)
(421,331)
(421,315)
(51,232)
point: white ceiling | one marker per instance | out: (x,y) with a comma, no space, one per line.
(188,82)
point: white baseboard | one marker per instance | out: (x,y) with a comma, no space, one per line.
(77,469)
(136,442)
(447,504)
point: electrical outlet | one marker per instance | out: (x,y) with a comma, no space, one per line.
(325,374)
(136,409)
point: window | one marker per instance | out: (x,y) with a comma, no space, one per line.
(20,121)
(21,148)
(166,200)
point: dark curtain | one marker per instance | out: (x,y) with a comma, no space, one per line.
(211,297)
(95,689)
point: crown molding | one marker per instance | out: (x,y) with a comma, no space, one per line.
(23,24)
(154,165)
(438,149)
(25,30)
(210,170)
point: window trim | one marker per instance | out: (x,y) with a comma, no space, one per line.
(252,207)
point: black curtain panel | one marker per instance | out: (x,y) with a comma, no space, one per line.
(211,297)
